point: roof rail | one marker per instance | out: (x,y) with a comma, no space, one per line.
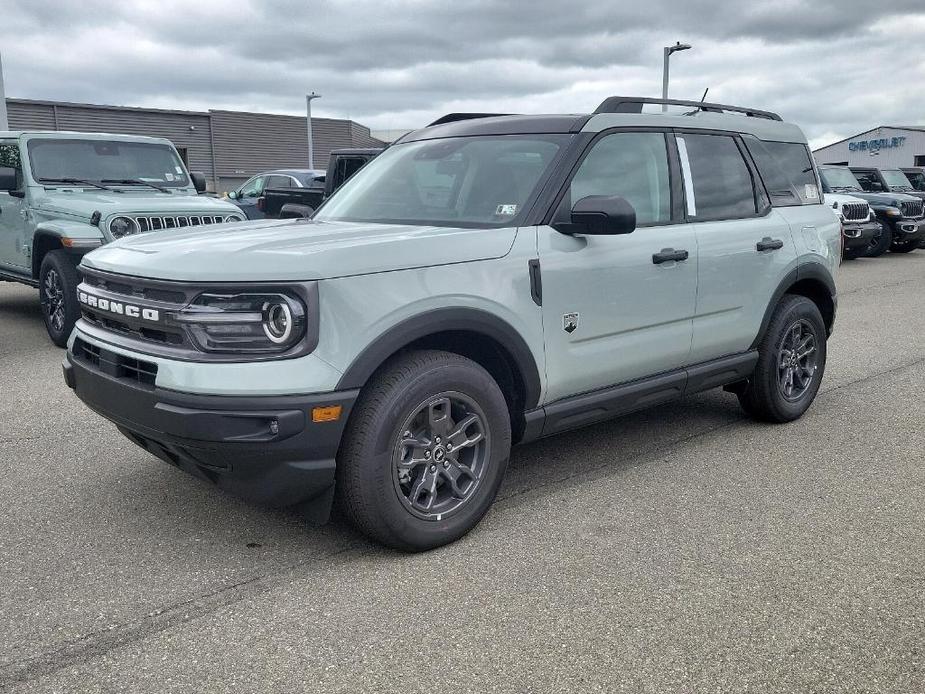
(453,117)
(633,104)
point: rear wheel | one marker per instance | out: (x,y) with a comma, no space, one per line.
(425,451)
(58,280)
(791,363)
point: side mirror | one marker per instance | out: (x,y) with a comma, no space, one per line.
(232,195)
(8,182)
(199,181)
(603,215)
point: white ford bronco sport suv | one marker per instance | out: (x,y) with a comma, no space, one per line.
(485,281)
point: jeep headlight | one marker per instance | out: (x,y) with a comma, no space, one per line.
(122,226)
(245,323)
(893,212)
(233,218)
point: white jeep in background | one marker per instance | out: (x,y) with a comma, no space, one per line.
(860,228)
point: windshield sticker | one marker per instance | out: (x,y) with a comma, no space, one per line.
(168,176)
(506,211)
(811,192)
(179,170)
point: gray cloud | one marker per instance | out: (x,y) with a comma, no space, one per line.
(832,66)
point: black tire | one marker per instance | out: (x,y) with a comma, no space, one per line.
(854,254)
(903,246)
(368,472)
(764,398)
(58,280)
(881,243)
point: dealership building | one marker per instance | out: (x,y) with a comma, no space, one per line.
(885,147)
(227,146)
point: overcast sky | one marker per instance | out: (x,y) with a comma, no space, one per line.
(835,67)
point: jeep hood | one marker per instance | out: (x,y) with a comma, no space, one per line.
(889,199)
(290,251)
(84,203)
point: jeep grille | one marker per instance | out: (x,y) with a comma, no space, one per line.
(154,223)
(854,211)
(913,209)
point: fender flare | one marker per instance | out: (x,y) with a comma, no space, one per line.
(442,320)
(808,271)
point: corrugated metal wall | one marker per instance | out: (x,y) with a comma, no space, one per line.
(884,158)
(240,144)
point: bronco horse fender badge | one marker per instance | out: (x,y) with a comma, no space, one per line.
(570,322)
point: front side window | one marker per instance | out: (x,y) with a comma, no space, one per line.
(105,161)
(631,165)
(9,158)
(869,181)
(717,180)
(481,181)
(787,171)
(917,179)
(253,188)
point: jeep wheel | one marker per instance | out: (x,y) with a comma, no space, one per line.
(425,451)
(791,362)
(58,282)
(880,243)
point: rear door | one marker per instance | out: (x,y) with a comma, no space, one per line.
(746,246)
(611,312)
(13,236)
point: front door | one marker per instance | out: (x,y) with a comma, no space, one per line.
(613,311)
(13,241)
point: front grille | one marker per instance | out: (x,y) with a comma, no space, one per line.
(117,365)
(152,223)
(134,290)
(854,211)
(913,209)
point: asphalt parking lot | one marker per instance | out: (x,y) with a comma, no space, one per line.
(681,549)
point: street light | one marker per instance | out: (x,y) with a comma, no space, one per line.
(308,112)
(4,125)
(668,51)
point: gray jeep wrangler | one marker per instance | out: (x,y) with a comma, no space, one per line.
(62,194)
(484,281)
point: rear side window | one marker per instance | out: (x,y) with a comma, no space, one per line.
(717,181)
(631,165)
(787,170)
(279,182)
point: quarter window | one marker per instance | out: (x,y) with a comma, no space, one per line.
(717,181)
(9,158)
(787,171)
(631,165)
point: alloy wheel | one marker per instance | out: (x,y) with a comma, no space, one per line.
(53,300)
(797,360)
(441,455)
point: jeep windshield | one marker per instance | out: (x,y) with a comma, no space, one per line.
(896,179)
(117,162)
(468,182)
(838,180)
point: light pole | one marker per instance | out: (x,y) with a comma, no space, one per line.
(668,51)
(4,125)
(308,112)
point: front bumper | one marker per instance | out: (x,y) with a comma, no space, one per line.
(860,234)
(265,449)
(908,230)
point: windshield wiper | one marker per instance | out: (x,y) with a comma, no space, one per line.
(137,182)
(79,181)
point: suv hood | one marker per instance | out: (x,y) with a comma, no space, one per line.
(889,199)
(84,204)
(293,251)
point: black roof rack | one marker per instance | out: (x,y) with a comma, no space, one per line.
(634,104)
(453,117)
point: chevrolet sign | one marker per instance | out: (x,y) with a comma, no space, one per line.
(118,308)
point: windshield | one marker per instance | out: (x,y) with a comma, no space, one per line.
(917,178)
(839,179)
(896,179)
(114,161)
(457,182)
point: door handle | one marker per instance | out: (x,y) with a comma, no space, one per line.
(769,244)
(669,254)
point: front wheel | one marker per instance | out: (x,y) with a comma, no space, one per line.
(791,362)
(58,282)
(425,451)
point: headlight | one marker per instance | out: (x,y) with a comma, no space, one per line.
(258,323)
(893,212)
(121,226)
(234,218)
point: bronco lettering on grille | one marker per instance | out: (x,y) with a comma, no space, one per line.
(118,308)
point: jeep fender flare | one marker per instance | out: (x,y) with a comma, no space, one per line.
(812,273)
(444,320)
(74,237)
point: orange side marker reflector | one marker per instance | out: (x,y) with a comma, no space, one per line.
(331,413)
